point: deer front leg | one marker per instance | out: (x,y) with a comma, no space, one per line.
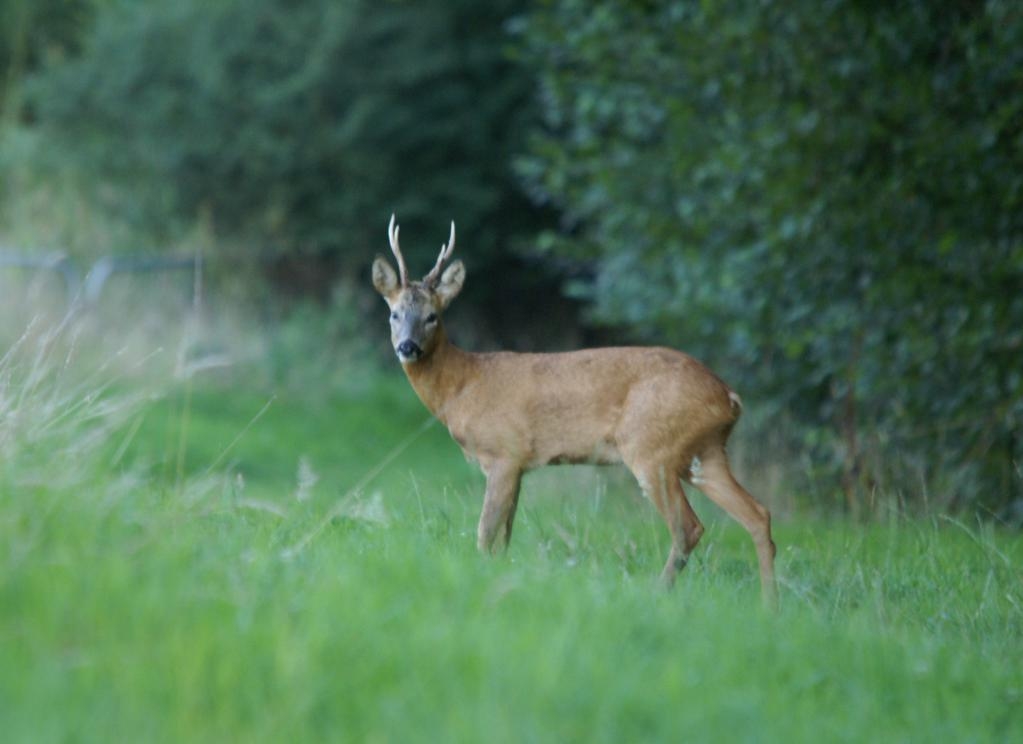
(499,505)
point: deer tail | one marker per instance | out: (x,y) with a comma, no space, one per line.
(736,402)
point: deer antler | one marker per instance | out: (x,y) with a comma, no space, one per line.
(392,236)
(445,254)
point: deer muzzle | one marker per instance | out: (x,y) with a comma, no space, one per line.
(408,351)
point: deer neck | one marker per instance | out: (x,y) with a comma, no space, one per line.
(440,376)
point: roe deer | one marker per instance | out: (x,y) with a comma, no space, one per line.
(660,412)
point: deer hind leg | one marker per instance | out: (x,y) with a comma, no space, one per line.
(499,504)
(663,487)
(712,475)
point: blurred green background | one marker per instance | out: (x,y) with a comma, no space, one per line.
(224,515)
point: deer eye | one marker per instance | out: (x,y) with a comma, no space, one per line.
(394,316)
(431,318)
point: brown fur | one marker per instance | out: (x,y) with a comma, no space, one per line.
(660,412)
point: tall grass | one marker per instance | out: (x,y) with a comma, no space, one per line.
(312,575)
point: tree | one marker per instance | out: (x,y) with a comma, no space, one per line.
(824,199)
(30,32)
(300,128)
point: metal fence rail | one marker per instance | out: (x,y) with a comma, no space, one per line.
(88,287)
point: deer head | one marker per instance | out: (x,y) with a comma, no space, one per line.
(416,307)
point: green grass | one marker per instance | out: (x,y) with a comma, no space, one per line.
(164,577)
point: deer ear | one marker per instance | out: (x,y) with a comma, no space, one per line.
(384,279)
(451,282)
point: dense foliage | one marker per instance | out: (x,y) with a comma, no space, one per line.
(826,199)
(33,32)
(301,128)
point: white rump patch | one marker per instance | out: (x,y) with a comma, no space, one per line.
(644,487)
(696,472)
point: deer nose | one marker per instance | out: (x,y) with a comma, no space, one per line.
(409,349)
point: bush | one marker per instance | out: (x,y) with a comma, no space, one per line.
(823,201)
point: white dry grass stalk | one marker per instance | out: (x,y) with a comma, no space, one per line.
(238,437)
(262,505)
(306,479)
(56,413)
(368,509)
(347,505)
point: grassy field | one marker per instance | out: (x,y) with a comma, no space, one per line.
(226,561)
